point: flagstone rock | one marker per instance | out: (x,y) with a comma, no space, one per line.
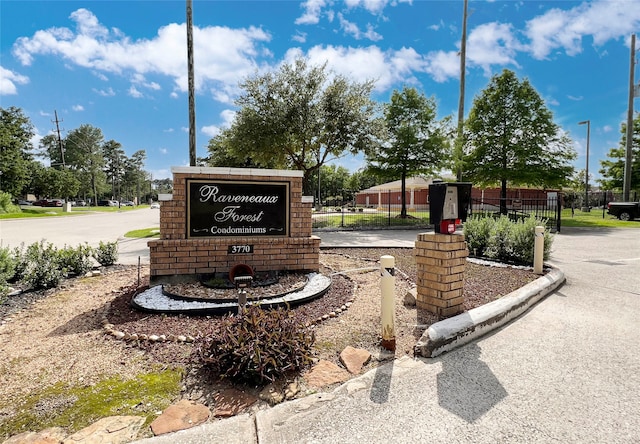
(183,415)
(110,430)
(326,373)
(354,359)
(53,435)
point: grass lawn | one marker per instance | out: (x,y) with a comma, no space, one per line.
(595,218)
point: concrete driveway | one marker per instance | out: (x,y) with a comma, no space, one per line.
(567,371)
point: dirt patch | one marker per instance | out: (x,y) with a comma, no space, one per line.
(57,336)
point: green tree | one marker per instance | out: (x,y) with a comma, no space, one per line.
(299,117)
(361,180)
(512,138)
(84,156)
(16,132)
(417,143)
(612,169)
(114,165)
(52,149)
(134,174)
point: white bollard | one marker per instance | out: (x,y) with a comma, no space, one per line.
(387,287)
(538,250)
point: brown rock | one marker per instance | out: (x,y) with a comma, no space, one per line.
(326,373)
(113,430)
(52,435)
(273,393)
(354,359)
(183,415)
(230,402)
(410,297)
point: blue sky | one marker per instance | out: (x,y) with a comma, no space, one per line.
(121,66)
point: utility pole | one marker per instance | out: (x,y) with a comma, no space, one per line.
(463,57)
(629,147)
(55,112)
(192,100)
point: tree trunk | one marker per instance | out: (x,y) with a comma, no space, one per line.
(403,187)
(503,197)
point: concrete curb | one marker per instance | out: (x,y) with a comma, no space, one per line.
(465,327)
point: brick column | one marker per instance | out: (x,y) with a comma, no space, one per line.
(441,260)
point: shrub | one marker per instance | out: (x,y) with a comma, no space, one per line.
(6,206)
(257,347)
(21,262)
(106,253)
(499,245)
(7,265)
(477,231)
(505,240)
(77,260)
(44,266)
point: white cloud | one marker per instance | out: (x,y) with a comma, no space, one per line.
(312,12)
(109,92)
(133,92)
(163,150)
(300,37)
(492,44)
(8,81)
(565,29)
(353,30)
(221,54)
(575,98)
(211,130)
(168,130)
(443,65)
(77,108)
(363,64)
(373,6)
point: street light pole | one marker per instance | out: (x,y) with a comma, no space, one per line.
(585,207)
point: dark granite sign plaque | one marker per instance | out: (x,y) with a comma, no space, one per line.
(242,208)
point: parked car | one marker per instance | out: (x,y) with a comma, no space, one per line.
(54,203)
(155,205)
(108,203)
(624,210)
(41,203)
(127,203)
(81,203)
(24,202)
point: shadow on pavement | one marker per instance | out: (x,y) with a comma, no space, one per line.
(466,385)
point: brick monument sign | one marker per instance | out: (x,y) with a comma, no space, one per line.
(219,218)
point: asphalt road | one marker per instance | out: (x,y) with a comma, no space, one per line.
(84,227)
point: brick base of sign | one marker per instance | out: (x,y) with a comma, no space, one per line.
(182,260)
(177,257)
(440,260)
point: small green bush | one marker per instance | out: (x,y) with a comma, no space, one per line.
(77,260)
(505,240)
(21,263)
(44,266)
(7,264)
(6,206)
(106,253)
(258,347)
(477,231)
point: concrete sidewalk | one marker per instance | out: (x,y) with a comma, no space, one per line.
(566,371)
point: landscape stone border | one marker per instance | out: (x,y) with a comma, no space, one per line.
(453,332)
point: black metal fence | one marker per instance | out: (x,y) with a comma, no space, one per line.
(548,209)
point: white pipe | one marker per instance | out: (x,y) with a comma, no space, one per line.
(538,250)
(387,287)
